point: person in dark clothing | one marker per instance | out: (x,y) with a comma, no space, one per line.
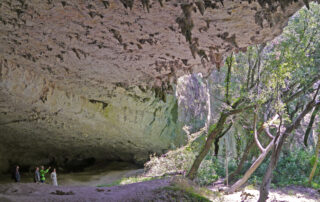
(17,175)
(37,175)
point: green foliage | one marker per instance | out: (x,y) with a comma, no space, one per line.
(289,64)
(212,127)
(177,161)
(115,183)
(312,159)
(192,191)
(293,169)
(187,195)
(294,57)
(207,173)
(211,169)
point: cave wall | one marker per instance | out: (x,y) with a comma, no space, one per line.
(42,120)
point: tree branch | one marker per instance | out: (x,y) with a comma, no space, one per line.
(205,149)
(229,64)
(268,133)
(298,93)
(216,141)
(236,111)
(296,123)
(255,131)
(313,116)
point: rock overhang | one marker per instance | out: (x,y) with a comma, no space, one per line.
(93,76)
(122,42)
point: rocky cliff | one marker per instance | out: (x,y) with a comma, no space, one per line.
(82,80)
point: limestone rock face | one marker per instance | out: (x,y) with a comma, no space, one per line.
(48,122)
(84,79)
(193,106)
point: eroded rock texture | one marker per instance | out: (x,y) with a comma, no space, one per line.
(192,94)
(94,79)
(46,121)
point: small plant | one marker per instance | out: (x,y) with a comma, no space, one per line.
(183,189)
(251,187)
(185,194)
(176,161)
(207,173)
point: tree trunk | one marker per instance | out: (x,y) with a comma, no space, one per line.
(242,161)
(217,139)
(216,131)
(316,160)
(313,116)
(264,187)
(227,166)
(260,159)
(253,168)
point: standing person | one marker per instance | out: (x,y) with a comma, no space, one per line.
(17,174)
(54,177)
(42,174)
(37,175)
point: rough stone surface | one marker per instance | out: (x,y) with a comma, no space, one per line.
(90,79)
(92,42)
(192,95)
(57,125)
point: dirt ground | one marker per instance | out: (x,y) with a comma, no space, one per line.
(30,192)
(287,194)
(144,191)
(92,176)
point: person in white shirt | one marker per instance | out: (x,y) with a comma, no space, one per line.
(54,177)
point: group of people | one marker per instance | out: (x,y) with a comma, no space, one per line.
(39,175)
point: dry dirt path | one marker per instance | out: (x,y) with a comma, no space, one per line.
(92,176)
(286,194)
(30,192)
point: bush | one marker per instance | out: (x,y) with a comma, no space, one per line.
(207,173)
(211,169)
(293,168)
(313,158)
(176,161)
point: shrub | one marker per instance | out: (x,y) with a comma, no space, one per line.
(176,161)
(207,173)
(293,168)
